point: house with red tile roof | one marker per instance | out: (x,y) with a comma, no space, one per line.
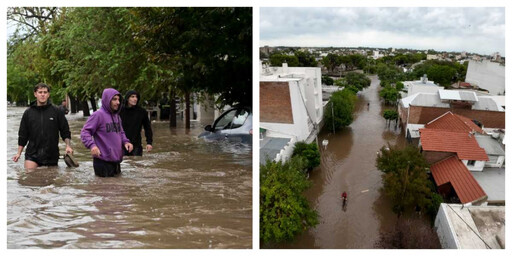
(453,178)
(457,149)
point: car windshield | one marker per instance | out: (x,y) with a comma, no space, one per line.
(224,122)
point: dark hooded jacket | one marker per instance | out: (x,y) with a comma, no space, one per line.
(40,127)
(104,130)
(133,119)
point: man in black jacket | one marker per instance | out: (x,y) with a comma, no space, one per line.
(134,117)
(40,127)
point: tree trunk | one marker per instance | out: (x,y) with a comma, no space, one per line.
(172,112)
(187,110)
(93,103)
(85,108)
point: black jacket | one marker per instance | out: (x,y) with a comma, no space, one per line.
(40,127)
(133,119)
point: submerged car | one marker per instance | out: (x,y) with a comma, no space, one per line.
(234,125)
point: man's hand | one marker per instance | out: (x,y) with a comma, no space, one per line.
(16,157)
(149,147)
(69,150)
(95,151)
(129,147)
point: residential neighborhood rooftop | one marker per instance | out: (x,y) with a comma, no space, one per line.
(464,144)
(477,227)
(457,95)
(452,170)
(492,181)
(490,145)
(455,123)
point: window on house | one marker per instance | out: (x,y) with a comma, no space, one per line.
(471,162)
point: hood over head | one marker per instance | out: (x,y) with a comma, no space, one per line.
(130,93)
(107,96)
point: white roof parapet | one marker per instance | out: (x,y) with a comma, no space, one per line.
(457,95)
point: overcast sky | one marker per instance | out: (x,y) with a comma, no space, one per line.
(480,30)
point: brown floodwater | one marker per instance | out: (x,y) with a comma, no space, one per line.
(186,193)
(348,164)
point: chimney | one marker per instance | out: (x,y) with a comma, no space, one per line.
(285,67)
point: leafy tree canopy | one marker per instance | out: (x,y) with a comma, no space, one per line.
(405,177)
(309,152)
(284,211)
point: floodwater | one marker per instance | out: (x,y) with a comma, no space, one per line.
(186,193)
(348,164)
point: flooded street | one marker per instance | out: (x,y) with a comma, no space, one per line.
(348,165)
(186,193)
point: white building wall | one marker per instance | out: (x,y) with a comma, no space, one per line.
(478,167)
(488,75)
(414,129)
(498,163)
(444,229)
(286,153)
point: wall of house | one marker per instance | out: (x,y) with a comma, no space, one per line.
(300,126)
(478,167)
(275,102)
(423,115)
(495,161)
(433,157)
(444,229)
(487,75)
(286,153)
(414,129)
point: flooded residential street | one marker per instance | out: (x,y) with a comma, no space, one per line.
(186,193)
(348,165)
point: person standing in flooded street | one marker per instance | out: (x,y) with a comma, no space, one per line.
(40,127)
(134,117)
(103,134)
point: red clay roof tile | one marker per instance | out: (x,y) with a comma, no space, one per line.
(454,171)
(453,122)
(464,144)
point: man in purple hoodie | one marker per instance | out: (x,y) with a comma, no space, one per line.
(103,134)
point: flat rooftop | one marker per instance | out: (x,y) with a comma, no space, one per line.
(477,227)
(492,181)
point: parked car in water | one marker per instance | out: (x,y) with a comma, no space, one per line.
(233,125)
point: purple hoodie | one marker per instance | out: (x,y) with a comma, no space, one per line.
(104,130)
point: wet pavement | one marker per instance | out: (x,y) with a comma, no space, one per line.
(186,193)
(348,164)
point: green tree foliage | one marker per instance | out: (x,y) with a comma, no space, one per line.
(81,51)
(405,178)
(360,81)
(390,114)
(399,86)
(327,80)
(22,73)
(309,152)
(284,211)
(353,61)
(390,94)
(388,73)
(306,59)
(444,73)
(342,103)
(210,49)
(331,61)
(277,60)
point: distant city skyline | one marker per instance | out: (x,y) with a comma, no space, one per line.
(471,29)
